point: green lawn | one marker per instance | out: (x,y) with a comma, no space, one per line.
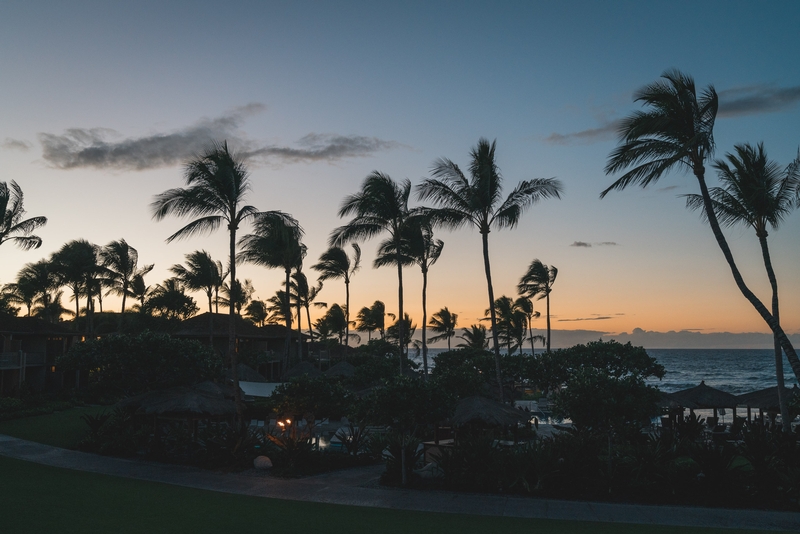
(59,429)
(49,499)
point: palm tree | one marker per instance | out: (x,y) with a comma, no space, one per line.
(140,291)
(170,300)
(201,273)
(20,292)
(12,225)
(77,265)
(475,337)
(444,323)
(538,282)
(678,132)
(305,296)
(278,308)
(217,182)
(257,312)
(756,193)
(478,201)
(511,322)
(421,248)
(275,243)
(526,306)
(404,328)
(51,309)
(334,263)
(121,263)
(237,294)
(380,206)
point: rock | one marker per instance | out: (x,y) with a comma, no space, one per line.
(262,462)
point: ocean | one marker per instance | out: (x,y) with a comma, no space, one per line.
(736,371)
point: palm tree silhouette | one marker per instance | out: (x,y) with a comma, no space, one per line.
(444,323)
(121,262)
(201,273)
(478,201)
(34,286)
(217,183)
(169,300)
(257,312)
(12,225)
(418,246)
(538,282)
(380,206)
(755,193)
(511,322)
(77,266)
(305,296)
(475,337)
(334,263)
(275,243)
(678,131)
(526,306)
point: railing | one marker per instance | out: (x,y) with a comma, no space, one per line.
(15,360)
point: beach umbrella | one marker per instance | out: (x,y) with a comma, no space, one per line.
(341,369)
(489,412)
(765,399)
(246,373)
(303,368)
(704,396)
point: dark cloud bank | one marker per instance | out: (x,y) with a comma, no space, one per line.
(98,147)
(584,244)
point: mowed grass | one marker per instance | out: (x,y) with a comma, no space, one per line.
(44,499)
(37,498)
(59,429)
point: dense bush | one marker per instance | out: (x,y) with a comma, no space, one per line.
(321,396)
(121,365)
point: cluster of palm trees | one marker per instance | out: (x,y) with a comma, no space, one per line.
(677,131)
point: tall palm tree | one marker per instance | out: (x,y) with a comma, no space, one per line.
(678,132)
(418,247)
(334,263)
(77,264)
(444,323)
(170,300)
(511,322)
(475,337)
(34,286)
(381,206)
(20,292)
(526,306)
(755,192)
(275,243)
(217,183)
(477,201)
(237,294)
(121,262)
(201,273)
(257,312)
(538,282)
(51,309)
(140,291)
(306,295)
(12,225)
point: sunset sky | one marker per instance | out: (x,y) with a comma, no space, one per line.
(102,102)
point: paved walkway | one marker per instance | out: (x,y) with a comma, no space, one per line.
(357,487)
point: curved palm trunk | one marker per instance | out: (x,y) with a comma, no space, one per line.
(493,315)
(780,335)
(299,328)
(346,317)
(288,308)
(310,332)
(548,320)
(210,321)
(234,359)
(773,281)
(530,333)
(122,312)
(401,322)
(425,322)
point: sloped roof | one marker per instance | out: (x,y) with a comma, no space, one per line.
(766,399)
(182,401)
(303,368)
(341,369)
(31,325)
(486,411)
(704,396)
(197,326)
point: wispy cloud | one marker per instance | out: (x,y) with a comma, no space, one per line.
(325,147)
(754,99)
(15,144)
(599,318)
(667,188)
(606,130)
(100,147)
(584,244)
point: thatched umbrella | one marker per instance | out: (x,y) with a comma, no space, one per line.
(303,368)
(246,374)
(765,399)
(182,402)
(341,369)
(487,412)
(704,396)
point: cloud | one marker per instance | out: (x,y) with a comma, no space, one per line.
(584,244)
(598,318)
(98,148)
(754,99)
(607,130)
(666,189)
(15,144)
(325,147)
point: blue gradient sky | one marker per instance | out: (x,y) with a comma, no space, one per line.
(331,91)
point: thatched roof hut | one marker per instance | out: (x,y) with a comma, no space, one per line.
(303,368)
(487,412)
(195,402)
(766,399)
(704,396)
(341,369)
(246,374)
